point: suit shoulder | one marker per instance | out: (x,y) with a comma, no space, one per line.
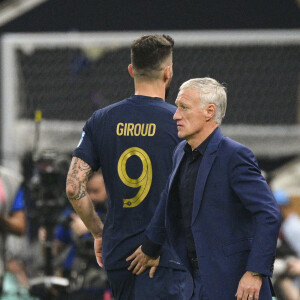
(233,149)
(233,145)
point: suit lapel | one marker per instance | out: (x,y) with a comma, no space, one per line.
(204,169)
(178,161)
(172,206)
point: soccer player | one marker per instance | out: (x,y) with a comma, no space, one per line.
(132,141)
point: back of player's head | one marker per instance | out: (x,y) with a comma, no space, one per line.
(149,52)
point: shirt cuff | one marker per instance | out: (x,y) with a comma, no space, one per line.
(150,248)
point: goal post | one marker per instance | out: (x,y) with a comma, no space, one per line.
(69,75)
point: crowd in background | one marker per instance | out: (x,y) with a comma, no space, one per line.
(39,250)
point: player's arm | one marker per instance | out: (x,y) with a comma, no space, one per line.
(14,224)
(77,178)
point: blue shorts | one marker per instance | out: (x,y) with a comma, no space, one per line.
(167,284)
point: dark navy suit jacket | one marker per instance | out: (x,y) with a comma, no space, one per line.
(235,220)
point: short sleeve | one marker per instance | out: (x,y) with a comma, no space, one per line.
(86,149)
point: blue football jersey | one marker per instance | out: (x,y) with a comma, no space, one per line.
(132,141)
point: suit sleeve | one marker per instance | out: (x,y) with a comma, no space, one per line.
(155,234)
(253,191)
(156,231)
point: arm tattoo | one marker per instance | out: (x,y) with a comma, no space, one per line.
(78,176)
(79,190)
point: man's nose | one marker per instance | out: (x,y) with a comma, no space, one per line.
(176,115)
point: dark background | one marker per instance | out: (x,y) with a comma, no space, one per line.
(134,15)
(93,15)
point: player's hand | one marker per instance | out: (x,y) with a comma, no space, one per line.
(98,250)
(141,261)
(249,287)
(77,225)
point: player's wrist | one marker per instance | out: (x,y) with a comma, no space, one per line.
(150,248)
(97,235)
(256,274)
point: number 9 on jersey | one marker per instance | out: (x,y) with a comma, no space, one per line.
(143,181)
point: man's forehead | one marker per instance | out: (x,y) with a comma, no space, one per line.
(187,94)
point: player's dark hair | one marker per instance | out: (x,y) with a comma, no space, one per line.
(148,52)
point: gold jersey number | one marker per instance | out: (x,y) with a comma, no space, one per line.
(143,182)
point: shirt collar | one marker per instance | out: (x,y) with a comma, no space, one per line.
(141,97)
(202,147)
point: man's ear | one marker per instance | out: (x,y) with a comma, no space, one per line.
(130,70)
(168,72)
(210,111)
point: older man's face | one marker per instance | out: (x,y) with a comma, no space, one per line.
(189,115)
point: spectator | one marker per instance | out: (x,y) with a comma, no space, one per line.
(12,218)
(286,266)
(291,220)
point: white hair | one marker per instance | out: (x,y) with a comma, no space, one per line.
(211,91)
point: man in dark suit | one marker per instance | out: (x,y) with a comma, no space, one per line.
(218,212)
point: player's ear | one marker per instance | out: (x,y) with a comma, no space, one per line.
(130,70)
(168,73)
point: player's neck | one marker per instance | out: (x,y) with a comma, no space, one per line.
(150,89)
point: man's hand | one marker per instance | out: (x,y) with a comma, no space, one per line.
(98,250)
(141,261)
(14,224)
(249,287)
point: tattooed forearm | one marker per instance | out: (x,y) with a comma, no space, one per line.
(77,190)
(79,174)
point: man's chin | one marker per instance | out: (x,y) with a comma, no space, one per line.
(180,135)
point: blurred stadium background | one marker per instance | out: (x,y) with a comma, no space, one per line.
(69,58)
(69,75)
